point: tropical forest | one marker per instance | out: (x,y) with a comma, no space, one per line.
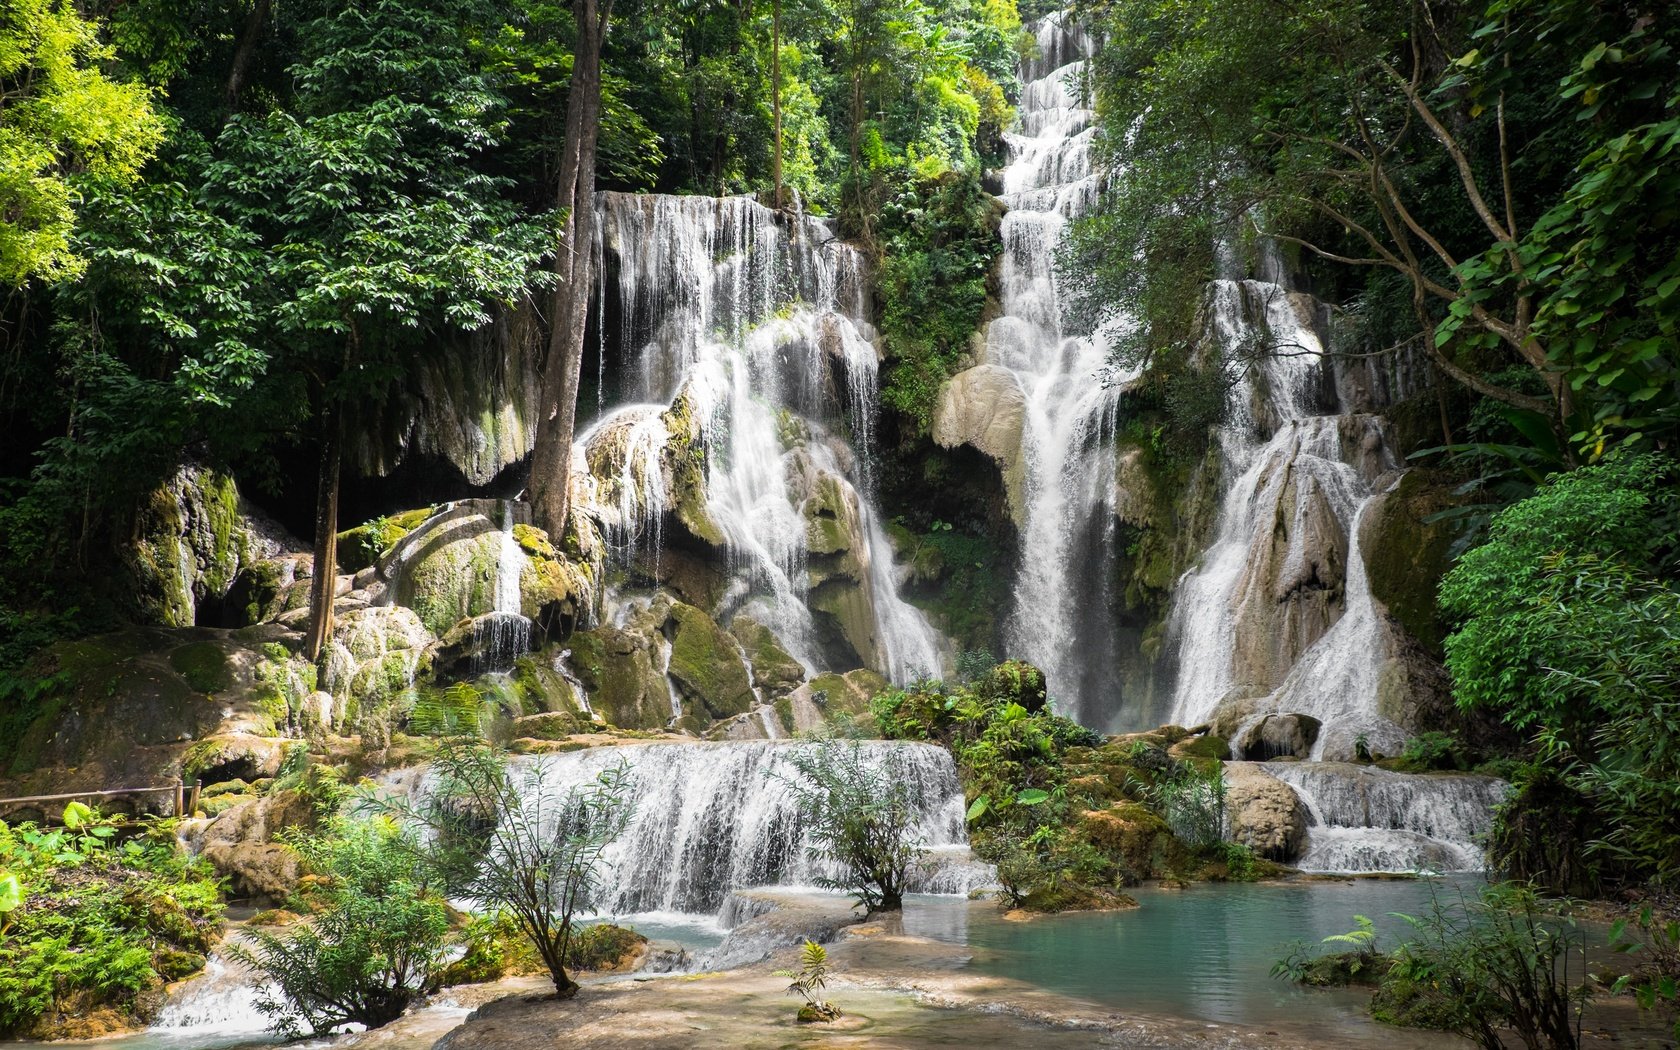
(763,524)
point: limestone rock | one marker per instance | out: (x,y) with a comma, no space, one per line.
(1135,835)
(1285,735)
(242,843)
(373,655)
(1406,556)
(774,670)
(706,664)
(1265,813)
(192,537)
(984,407)
(617,669)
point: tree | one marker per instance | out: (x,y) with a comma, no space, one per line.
(506,839)
(1426,149)
(551,454)
(374,942)
(378,225)
(65,121)
(860,818)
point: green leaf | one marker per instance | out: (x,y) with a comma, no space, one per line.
(1032,796)
(979,808)
(76,814)
(11,892)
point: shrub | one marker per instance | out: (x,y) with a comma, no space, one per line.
(507,840)
(860,818)
(374,943)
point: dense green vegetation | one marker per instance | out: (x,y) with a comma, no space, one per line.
(95,917)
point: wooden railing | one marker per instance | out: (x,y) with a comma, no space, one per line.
(184,797)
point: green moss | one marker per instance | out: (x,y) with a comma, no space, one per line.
(203,665)
(1208,746)
(706,666)
(1406,555)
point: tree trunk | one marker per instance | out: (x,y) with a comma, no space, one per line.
(551,458)
(776,94)
(256,23)
(324,578)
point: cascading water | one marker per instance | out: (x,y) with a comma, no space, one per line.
(507,630)
(712,818)
(1366,819)
(221,1001)
(1278,616)
(744,331)
(1060,618)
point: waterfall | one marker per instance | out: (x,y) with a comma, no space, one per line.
(743,332)
(221,1000)
(1278,614)
(507,630)
(1366,819)
(710,818)
(1060,619)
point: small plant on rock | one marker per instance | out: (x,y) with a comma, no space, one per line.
(860,818)
(808,980)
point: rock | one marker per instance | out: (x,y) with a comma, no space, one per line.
(242,843)
(775,671)
(1406,555)
(192,537)
(1015,682)
(617,669)
(1280,736)
(1136,836)
(374,654)
(125,708)
(551,726)
(1265,813)
(984,407)
(363,547)
(706,664)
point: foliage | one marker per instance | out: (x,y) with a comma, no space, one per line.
(1655,982)
(1568,630)
(1191,799)
(1478,966)
(938,241)
(67,123)
(1459,178)
(96,914)
(1361,963)
(808,980)
(375,939)
(859,817)
(505,839)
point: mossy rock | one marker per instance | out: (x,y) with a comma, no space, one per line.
(617,671)
(370,541)
(1013,681)
(1072,895)
(1135,836)
(706,664)
(774,669)
(551,726)
(1206,746)
(1406,555)
(203,665)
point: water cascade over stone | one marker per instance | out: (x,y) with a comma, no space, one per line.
(743,360)
(1365,819)
(1278,617)
(222,1000)
(714,817)
(1059,460)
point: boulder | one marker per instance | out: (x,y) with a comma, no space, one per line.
(192,537)
(774,670)
(242,843)
(1279,736)
(374,654)
(1135,836)
(1265,813)
(617,669)
(706,664)
(984,407)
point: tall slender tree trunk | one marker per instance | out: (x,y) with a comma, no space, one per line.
(324,579)
(551,458)
(776,94)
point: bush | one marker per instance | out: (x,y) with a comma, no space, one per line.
(508,841)
(375,941)
(860,818)
(1480,966)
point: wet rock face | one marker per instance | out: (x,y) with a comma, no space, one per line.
(706,664)
(241,843)
(1265,813)
(1279,736)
